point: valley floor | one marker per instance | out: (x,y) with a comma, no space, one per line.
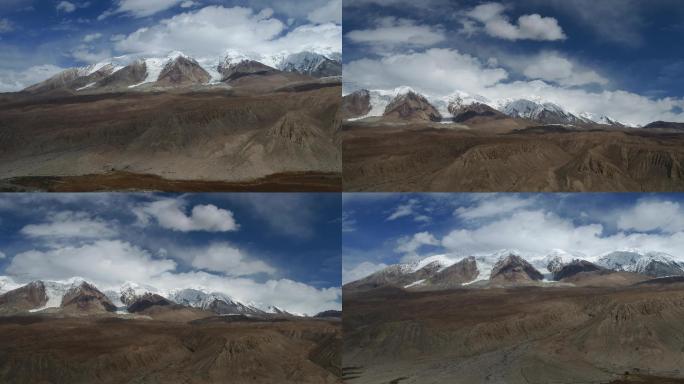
(125,181)
(432,157)
(41,349)
(520,335)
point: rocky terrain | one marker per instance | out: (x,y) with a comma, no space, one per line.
(518,319)
(237,124)
(521,145)
(73,332)
(515,335)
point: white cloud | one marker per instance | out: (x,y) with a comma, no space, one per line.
(86,54)
(553,67)
(538,232)
(392,31)
(409,246)
(360,271)
(16,80)
(209,31)
(331,12)
(92,37)
(109,262)
(652,215)
(67,224)
(410,208)
(66,6)
(170,214)
(435,71)
(140,8)
(528,27)
(188,4)
(6,25)
(225,258)
(2,255)
(493,206)
(441,72)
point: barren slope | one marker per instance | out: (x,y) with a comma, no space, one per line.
(211,135)
(110,350)
(524,335)
(438,157)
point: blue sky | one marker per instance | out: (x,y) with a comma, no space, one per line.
(602,57)
(41,37)
(279,249)
(385,229)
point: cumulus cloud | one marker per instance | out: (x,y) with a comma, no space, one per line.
(109,262)
(436,71)
(87,55)
(553,67)
(170,214)
(330,12)
(140,8)
(211,30)
(409,245)
(652,215)
(440,72)
(69,225)
(92,37)
(66,6)
(16,80)
(539,231)
(492,207)
(2,255)
(360,271)
(528,27)
(227,259)
(391,31)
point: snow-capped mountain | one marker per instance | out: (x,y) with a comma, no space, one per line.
(425,273)
(656,264)
(136,71)
(541,111)
(129,293)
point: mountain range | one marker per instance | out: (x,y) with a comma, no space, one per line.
(511,267)
(76,295)
(128,73)
(461,107)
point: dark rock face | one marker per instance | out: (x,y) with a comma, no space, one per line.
(86,298)
(412,106)
(476,110)
(244,68)
(30,296)
(456,275)
(356,104)
(573,268)
(666,125)
(514,269)
(329,314)
(183,70)
(146,301)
